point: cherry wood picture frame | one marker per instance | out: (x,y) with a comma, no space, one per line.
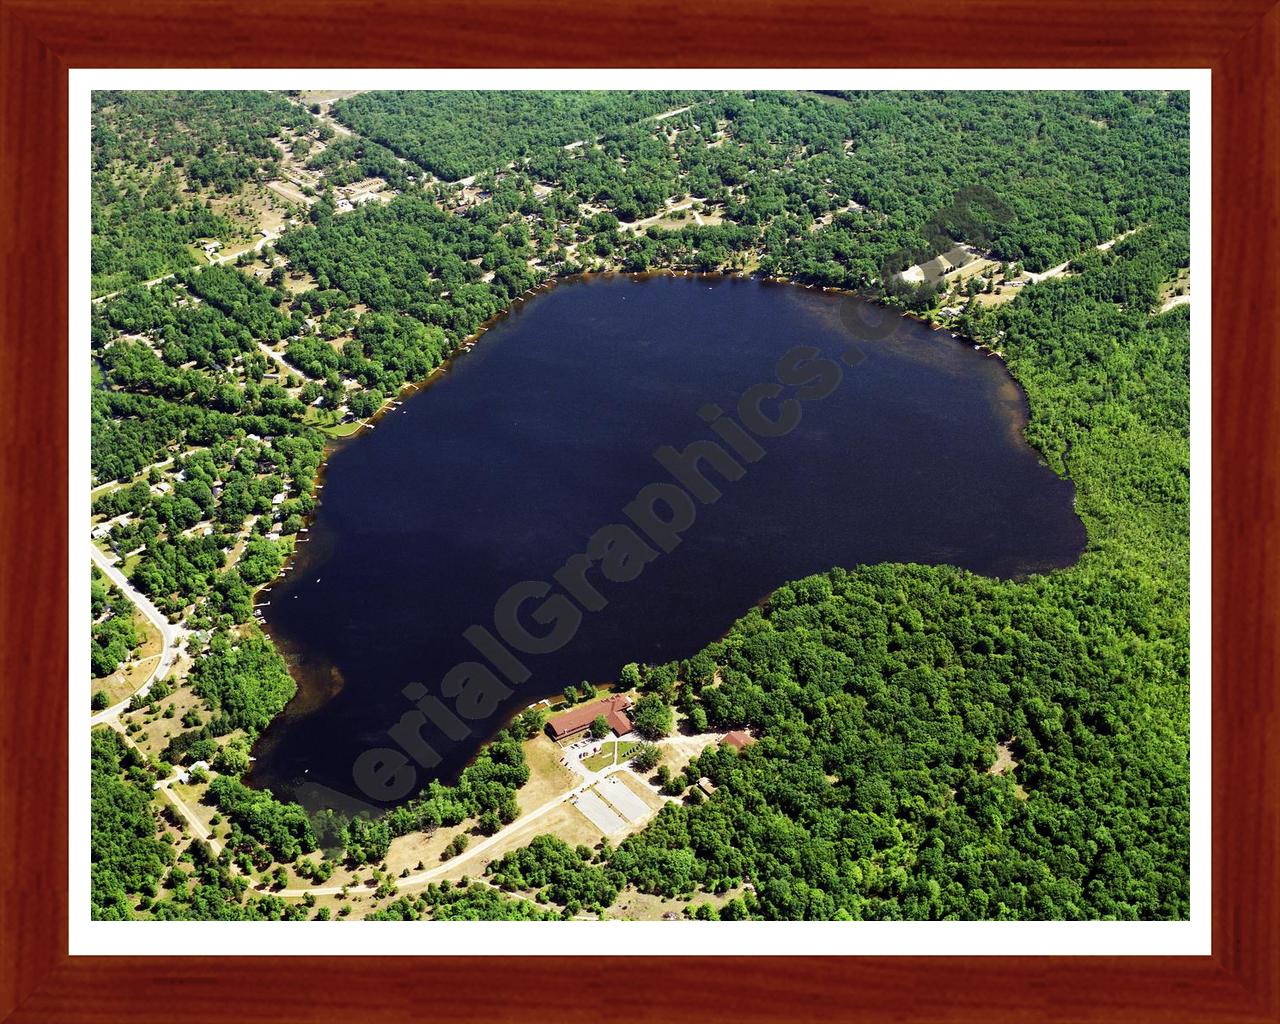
(41,39)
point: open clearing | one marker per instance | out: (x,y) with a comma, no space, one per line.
(679,750)
(134,672)
(633,905)
(1004,758)
(290,192)
(416,848)
(1005,763)
(547,776)
(1176,292)
(329,95)
(297,282)
(958,257)
(156,730)
(547,779)
(563,822)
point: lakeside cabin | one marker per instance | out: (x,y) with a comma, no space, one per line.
(579,719)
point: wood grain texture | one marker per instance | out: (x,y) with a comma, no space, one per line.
(1246,488)
(39,41)
(33,503)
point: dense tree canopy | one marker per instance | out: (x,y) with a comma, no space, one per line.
(246,682)
(884,697)
(459,133)
(128,856)
(154,154)
(882,691)
(114,635)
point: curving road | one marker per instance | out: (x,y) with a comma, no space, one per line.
(169,633)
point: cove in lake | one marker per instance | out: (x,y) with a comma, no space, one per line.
(503,468)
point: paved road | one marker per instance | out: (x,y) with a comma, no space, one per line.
(423,877)
(656,117)
(669,113)
(169,633)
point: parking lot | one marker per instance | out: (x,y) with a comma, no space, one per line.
(622,799)
(599,813)
(611,805)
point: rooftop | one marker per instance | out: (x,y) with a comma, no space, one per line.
(614,709)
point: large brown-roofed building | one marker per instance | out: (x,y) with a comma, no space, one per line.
(580,718)
(738,739)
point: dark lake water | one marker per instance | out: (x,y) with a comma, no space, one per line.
(504,468)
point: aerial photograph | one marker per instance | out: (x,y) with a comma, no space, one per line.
(681,505)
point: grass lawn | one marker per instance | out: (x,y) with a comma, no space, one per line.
(605,758)
(325,421)
(547,776)
(343,429)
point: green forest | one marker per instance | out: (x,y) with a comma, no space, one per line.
(456,134)
(882,696)
(881,692)
(158,157)
(115,636)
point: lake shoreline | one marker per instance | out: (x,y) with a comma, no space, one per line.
(336,443)
(309,696)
